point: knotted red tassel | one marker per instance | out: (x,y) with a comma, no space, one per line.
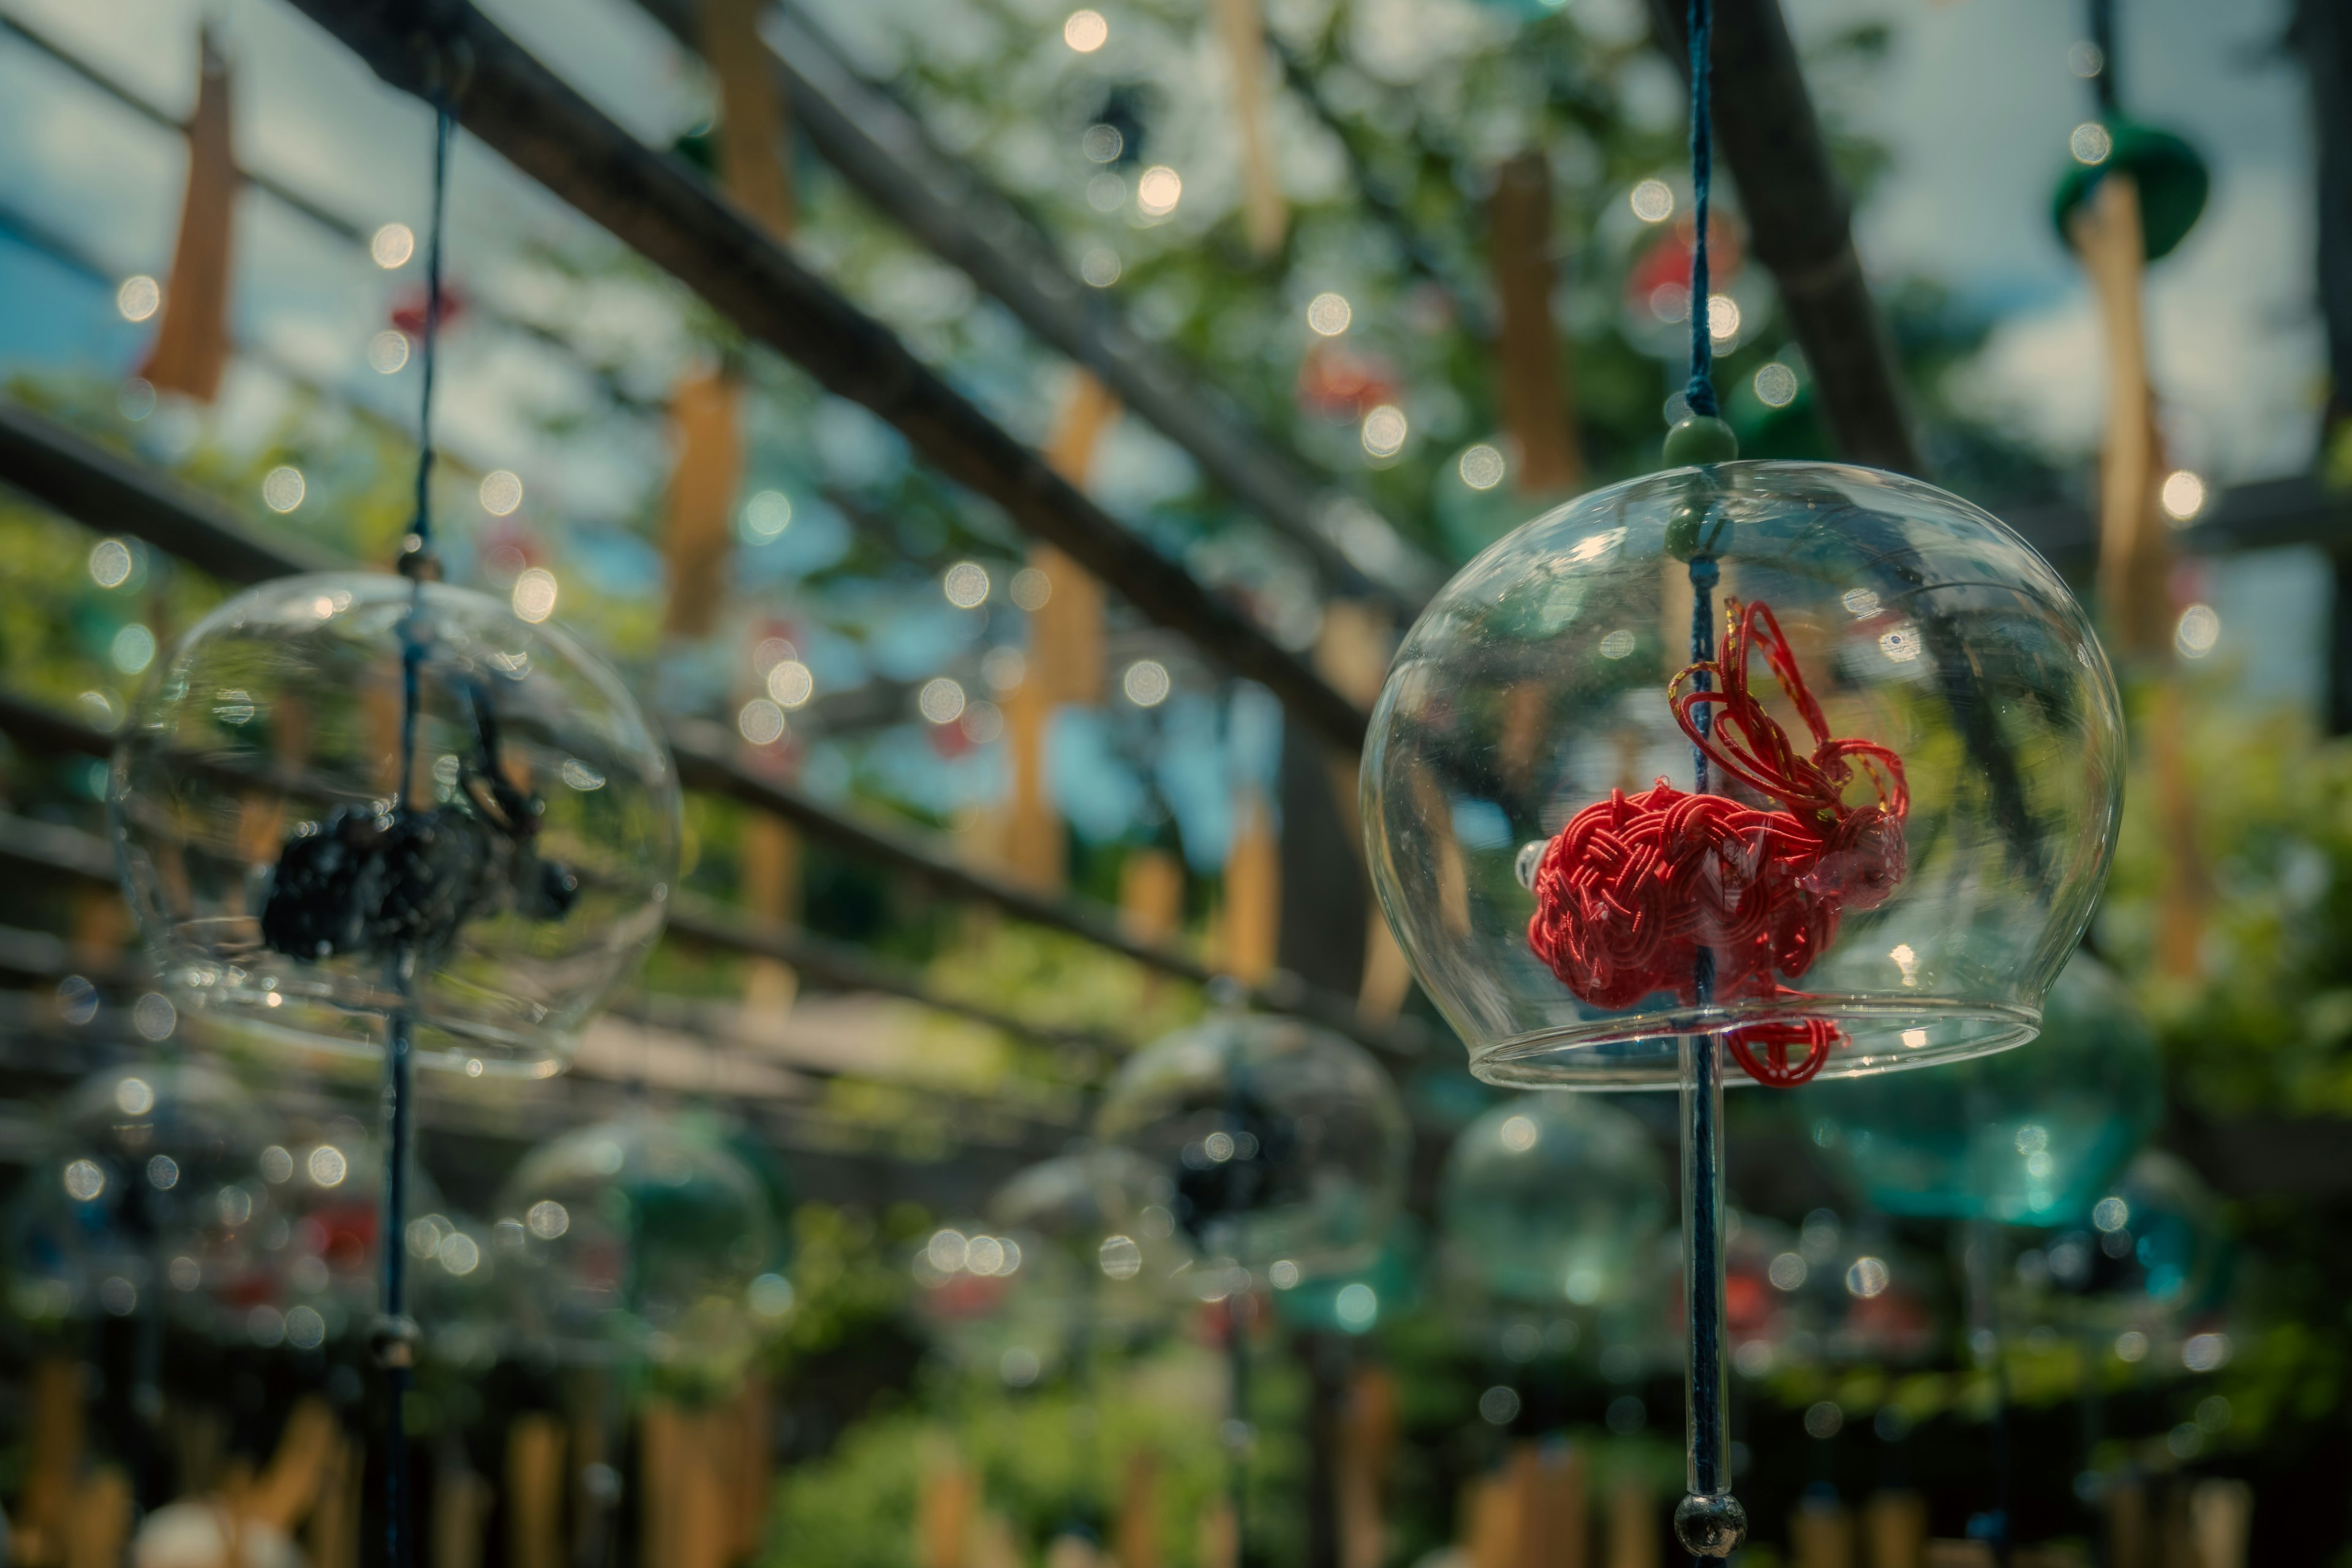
(1635,887)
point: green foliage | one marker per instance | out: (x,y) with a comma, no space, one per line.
(846,1273)
(1046,1461)
(2266,1026)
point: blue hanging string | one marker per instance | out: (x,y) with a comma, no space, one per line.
(1700,390)
(397,1335)
(1703,1065)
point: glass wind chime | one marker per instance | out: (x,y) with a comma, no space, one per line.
(1814,772)
(1283,1151)
(383,816)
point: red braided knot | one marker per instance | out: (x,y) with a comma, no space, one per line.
(1635,887)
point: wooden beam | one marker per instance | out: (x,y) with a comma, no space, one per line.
(1800,223)
(120,494)
(666,213)
(885,154)
(2268,514)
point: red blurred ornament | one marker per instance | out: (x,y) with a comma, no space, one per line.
(1337,382)
(1666,263)
(408,309)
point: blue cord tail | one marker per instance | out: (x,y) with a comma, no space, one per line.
(1700,390)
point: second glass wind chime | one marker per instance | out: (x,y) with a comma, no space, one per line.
(1814,772)
(379,815)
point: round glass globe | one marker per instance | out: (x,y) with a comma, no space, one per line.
(1002,1300)
(2024,1138)
(453,1290)
(1554,1199)
(641,1238)
(1283,1142)
(1874,1304)
(149,1197)
(2149,1255)
(1113,1217)
(322,1249)
(1536,684)
(257,801)
(1764,1320)
(1355,1302)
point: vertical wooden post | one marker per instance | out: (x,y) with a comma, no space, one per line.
(1821,1534)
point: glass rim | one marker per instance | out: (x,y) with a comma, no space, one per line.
(1568,1055)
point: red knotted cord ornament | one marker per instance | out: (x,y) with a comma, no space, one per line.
(1636,886)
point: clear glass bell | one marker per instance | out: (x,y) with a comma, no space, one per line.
(1283,1143)
(454,1290)
(258,802)
(1874,1303)
(150,1198)
(1553,1200)
(2022,1138)
(1113,1216)
(638,1238)
(1002,1301)
(1916,735)
(1356,1301)
(2148,1264)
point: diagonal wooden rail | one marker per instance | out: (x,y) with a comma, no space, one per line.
(667,213)
(81,479)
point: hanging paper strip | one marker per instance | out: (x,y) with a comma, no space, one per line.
(1065,632)
(1064,657)
(191,347)
(1490,1516)
(289,1487)
(1531,364)
(2135,558)
(754,132)
(747,1450)
(2135,546)
(706,471)
(461,1507)
(687,1508)
(53,1463)
(1554,1530)
(771,887)
(1367,1442)
(947,1510)
(1253,913)
(1820,1533)
(99,1532)
(534,1491)
(1150,895)
(1896,1523)
(1265,213)
(331,1537)
(1220,1537)
(1136,1542)
(1633,1523)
